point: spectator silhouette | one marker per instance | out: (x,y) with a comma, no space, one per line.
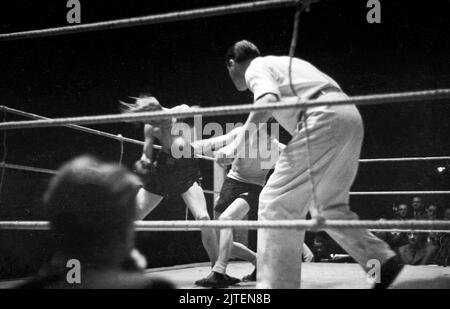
(432,212)
(320,249)
(418,251)
(397,239)
(418,209)
(91,207)
(443,256)
(403,212)
(447,214)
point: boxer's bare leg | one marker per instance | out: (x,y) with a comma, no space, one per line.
(195,201)
(236,211)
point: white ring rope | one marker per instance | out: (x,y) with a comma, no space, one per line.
(27,168)
(399,192)
(429,225)
(118,137)
(404,159)
(408,231)
(316,209)
(151,19)
(44,226)
(75,127)
(4,156)
(48,171)
(289,103)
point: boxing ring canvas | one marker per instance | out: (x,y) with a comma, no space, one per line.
(314,276)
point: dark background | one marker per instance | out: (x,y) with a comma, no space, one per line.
(183,62)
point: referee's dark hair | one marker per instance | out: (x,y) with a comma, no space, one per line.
(241,51)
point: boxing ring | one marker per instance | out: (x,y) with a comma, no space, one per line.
(315,275)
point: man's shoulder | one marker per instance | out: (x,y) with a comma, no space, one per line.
(256,62)
(258,66)
(265,60)
(268,63)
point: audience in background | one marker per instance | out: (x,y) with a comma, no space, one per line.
(397,239)
(403,212)
(418,208)
(443,255)
(418,251)
(432,211)
(447,214)
(321,249)
(91,207)
(422,248)
(413,248)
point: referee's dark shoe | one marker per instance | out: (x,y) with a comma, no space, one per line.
(389,272)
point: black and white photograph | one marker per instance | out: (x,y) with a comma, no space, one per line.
(225,149)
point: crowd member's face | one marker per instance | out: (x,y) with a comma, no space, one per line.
(447,214)
(319,246)
(417,239)
(403,211)
(431,211)
(412,238)
(417,204)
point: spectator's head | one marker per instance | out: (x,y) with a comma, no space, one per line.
(402,211)
(394,209)
(91,207)
(237,60)
(432,212)
(417,204)
(319,248)
(417,239)
(447,214)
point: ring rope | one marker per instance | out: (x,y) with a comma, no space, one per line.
(404,159)
(438,94)
(141,143)
(211,191)
(407,231)
(122,150)
(43,225)
(151,19)
(118,137)
(4,156)
(75,127)
(398,192)
(316,209)
(27,168)
(48,171)
(253,225)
